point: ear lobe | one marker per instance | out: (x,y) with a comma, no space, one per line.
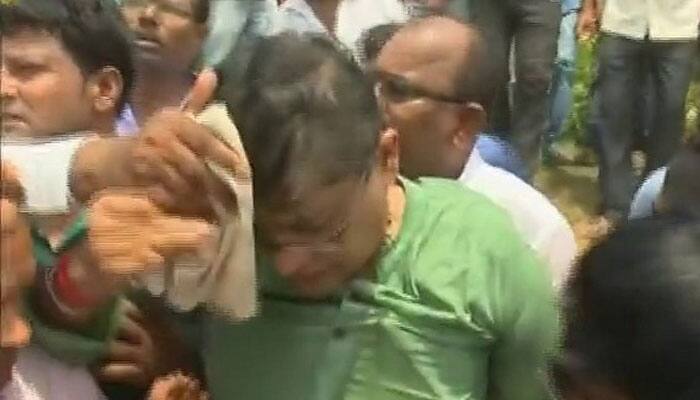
(389,149)
(472,122)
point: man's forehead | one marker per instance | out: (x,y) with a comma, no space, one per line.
(311,207)
(32,42)
(427,54)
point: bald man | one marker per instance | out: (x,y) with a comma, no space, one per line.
(435,82)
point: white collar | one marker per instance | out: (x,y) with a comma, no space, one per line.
(474,163)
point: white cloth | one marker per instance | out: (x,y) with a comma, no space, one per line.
(38,376)
(44,167)
(228,286)
(541,224)
(661,19)
(354,17)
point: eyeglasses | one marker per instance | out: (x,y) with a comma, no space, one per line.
(163,6)
(398,89)
(333,243)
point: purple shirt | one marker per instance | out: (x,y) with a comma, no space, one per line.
(126,123)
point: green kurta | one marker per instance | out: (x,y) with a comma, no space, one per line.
(461,309)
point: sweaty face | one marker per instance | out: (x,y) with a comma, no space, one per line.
(417,105)
(42,89)
(165,31)
(327,235)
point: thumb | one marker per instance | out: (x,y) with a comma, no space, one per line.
(202,92)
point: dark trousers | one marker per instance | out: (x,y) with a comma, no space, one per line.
(533,27)
(624,65)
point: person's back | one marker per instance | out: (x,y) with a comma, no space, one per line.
(539,222)
(633,316)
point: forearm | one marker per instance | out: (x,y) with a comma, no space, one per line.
(102,163)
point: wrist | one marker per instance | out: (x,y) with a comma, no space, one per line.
(99,164)
(68,294)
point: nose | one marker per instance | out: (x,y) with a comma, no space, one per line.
(289,260)
(147,16)
(8,85)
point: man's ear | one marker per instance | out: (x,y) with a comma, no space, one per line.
(106,87)
(389,151)
(472,121)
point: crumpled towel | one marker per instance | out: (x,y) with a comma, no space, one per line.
(228,285)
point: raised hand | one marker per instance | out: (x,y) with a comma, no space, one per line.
(129,235)
(171,152)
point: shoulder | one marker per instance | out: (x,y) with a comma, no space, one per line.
(524,203)
(467,249)
(452,198)
(465,219)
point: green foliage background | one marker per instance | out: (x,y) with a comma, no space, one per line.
(575,129)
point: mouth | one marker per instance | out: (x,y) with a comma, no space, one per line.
(147,42)
(10,118)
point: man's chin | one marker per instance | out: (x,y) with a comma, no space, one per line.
(152,59)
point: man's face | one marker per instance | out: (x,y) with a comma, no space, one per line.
(165,31)
(327,235)
(43,90)
(414,92)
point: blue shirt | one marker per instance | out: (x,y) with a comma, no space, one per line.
(568,6)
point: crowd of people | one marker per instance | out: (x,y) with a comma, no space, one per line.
(402,251)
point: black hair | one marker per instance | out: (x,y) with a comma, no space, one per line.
(304,106)
(632,312)
(91,31)
(374,39)
(681,192)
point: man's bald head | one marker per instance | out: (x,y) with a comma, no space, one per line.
(444,54)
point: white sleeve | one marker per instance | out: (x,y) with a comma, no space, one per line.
(44,168)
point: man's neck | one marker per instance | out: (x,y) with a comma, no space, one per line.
(156,88)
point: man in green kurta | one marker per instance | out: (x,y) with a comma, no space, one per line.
(372,286)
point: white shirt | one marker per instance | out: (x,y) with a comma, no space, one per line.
(541,224)
(38,376)
(353,19)
(661,19)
